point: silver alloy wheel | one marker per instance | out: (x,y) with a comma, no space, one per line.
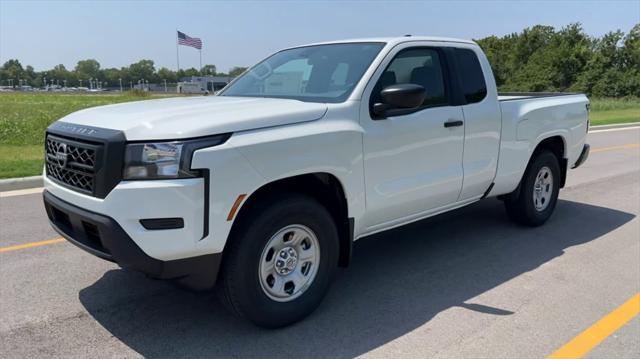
(289,263)
(542,189)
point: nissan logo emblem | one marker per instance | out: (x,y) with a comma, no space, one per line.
(62,155)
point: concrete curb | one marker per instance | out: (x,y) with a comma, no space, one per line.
(620,125)
(12,184)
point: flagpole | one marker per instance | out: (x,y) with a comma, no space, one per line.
(200,59)
(177,51)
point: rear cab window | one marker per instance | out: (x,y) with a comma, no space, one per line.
(471,76)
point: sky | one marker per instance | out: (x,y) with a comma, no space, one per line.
(240,33)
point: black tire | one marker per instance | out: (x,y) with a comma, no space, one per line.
(520,205)
(240,287)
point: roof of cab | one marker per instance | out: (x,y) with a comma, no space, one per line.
(396,40)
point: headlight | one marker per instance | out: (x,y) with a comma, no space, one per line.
(164,160)
(154,160)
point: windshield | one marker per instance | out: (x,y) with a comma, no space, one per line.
(321,73)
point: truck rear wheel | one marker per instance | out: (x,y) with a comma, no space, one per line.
(280,263)
(538,193)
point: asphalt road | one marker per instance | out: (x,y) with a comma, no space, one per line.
(468,284)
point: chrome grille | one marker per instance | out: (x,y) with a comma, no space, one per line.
(71,163)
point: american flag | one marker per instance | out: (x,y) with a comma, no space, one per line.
(184,39)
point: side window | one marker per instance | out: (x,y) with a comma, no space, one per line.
(471,75)
(420,66)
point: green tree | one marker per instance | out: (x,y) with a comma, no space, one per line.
(166,74)
(12,70)
(113,76)
(236,71)
(208,70)
(143,69)
(86,69)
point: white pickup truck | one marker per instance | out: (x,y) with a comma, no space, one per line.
(263,188)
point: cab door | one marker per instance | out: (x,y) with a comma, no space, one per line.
(412,161)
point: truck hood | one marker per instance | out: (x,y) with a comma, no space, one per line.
(184,117)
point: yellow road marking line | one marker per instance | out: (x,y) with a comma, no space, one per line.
(628,146)
(594,335)
(21,192)
(31,245)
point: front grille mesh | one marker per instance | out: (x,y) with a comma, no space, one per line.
(72,163)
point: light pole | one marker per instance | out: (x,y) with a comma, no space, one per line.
(120,84)
(44,81)
(165,85)
(65,83)
(80,80)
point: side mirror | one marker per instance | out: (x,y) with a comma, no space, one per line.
(401,97)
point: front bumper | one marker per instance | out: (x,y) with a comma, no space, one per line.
(102,236)
(583,156)
(132,201)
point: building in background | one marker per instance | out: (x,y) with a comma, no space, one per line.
(203,84)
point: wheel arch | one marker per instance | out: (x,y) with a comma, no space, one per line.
(558,146)
(324,187)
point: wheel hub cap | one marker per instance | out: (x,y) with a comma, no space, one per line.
(289,263)
(542,189)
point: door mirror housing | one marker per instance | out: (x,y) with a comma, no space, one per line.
(400,97)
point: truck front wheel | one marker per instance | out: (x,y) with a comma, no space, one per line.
(538,194)
(279,264)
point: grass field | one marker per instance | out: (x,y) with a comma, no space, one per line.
(25,116)
(610,111)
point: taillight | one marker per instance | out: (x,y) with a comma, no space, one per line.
(588,106)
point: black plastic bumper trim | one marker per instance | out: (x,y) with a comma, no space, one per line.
(103,237)
(583,156)
(162,223)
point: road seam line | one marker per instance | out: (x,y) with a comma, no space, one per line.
(21,192)
(31,245)
(615,129)
(601,330)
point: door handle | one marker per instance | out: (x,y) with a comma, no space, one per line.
(453,123)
